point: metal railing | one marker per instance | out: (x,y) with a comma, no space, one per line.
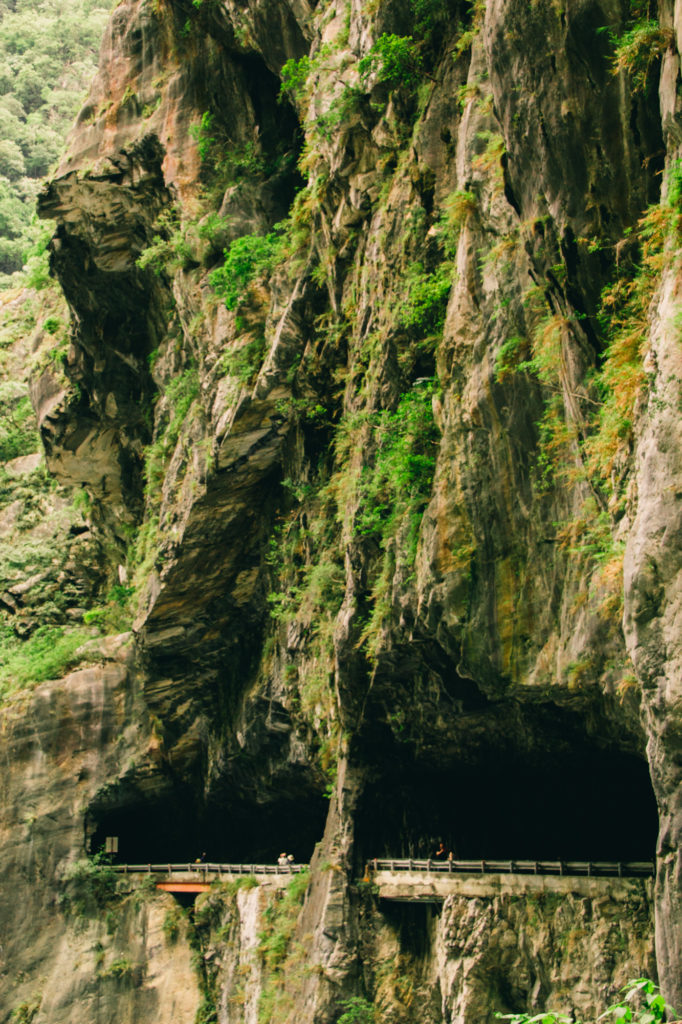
(211,869)
(590,869)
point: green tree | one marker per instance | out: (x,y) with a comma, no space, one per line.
(48,55)
(395,59)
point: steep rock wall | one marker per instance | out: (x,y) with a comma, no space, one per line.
(375,512)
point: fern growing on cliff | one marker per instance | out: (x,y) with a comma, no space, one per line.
(638,49)
(400,480)
(625,318)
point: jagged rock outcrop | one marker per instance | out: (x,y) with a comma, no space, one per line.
(372,383)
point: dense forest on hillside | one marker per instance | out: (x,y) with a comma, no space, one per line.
(48,55)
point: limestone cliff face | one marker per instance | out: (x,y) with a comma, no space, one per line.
(395,494)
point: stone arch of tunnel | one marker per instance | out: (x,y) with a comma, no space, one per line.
(538,788)
(170,823)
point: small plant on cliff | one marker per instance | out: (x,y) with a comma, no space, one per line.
(624,315)
(431,18)
(393,492)
(24,1013)
(538,1018)
(18,433)
(47,654)
(280,920)
(357,1010)
(638,49)
(295,75)
(246,260)
(37,264)
(422,311)
(89,886)
(400,480)
(207,1012)
(170,250)
(119,968)
(244,362)
(115,615)
(224,162)
(180,394)
(281,956)
(457,208)
(489,159)
(204,135)
(642,1003)
(395,60)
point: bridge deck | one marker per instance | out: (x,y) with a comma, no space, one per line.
(214,869)
(431,881)
(196,878)
(592,869)
(426,880)
(427,887)
(589,869)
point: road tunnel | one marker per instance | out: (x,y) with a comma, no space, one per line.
(174,825)
(499,798)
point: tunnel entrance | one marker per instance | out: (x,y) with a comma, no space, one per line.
(497,802)
(174,826)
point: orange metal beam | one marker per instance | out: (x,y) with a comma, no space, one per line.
(183,886)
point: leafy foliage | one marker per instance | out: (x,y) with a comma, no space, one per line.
(89,886)
(119,968)
(457,207)
(538,1018)
(624,317)
(46,654)
(423,309)
(393,493)
(246,259)
(114,616)
(48,54)
(24,1013)
(180,393)
(394,59)
(642,1003)
(18,434)
(430,17)
(357,1011)
(400,480)
(244,362)
(280,920)
(224,163)
(638,49)
(277,948)
(508,358)
(170,249)
(295,76)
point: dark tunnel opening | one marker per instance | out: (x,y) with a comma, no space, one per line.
(175,827)
(585,805)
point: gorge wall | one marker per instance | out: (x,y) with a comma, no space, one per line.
(372,387)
